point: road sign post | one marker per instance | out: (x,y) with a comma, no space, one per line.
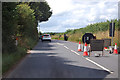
(112,33)
(112,30)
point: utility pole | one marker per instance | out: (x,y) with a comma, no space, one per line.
(111,34)
(112,30)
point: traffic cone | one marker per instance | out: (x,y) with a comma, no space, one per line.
(115,49)
(105,48)
(79,46)
(85,50)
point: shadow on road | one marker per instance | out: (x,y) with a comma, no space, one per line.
(50,65)
(44,46)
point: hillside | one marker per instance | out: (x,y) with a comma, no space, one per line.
(100,30)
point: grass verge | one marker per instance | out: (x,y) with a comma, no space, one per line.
(9,59)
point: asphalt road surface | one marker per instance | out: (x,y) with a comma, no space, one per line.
(60,59)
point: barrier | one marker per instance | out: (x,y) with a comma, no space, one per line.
(96,45)
(107,42)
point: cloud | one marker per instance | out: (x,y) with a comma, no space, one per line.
(119,9)
(74,14)
(59,6)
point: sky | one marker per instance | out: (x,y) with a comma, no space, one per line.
(75,14)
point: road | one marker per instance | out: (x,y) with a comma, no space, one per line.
(60,59)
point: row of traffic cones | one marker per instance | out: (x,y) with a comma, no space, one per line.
(85,49)
(85,53)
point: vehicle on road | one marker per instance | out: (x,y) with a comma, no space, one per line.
(65,37)
(46,37)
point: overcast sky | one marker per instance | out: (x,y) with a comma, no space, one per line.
(74,14)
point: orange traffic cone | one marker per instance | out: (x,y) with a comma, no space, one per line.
(105,48)
(79,46)
(85,50)
(115,49)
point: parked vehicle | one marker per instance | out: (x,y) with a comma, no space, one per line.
(46,37)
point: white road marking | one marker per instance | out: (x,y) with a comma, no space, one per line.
(51,55)
(75,52)
(66,47)
(99,65)
(94,63)
(60,44)
(88,59)
(72,50)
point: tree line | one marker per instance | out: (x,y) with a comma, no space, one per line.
(19,20)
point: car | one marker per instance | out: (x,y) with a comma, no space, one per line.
(46,37)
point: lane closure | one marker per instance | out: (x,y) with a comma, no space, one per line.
(88,59)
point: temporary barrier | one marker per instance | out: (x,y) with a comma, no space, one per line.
(107,42)
(97,45)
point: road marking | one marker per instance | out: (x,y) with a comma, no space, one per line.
(60,44)
(66,47)
(75,52)
(99,65)
(89,60)
(94,63)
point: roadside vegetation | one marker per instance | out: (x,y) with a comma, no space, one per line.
(19,20)
(100,30)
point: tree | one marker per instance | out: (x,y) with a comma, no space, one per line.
(9,22)
(42,10)
(27,27)
(20,19)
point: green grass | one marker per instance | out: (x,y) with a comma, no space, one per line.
(61,38)
(8,60)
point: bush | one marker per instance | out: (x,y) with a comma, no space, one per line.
(8,60)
